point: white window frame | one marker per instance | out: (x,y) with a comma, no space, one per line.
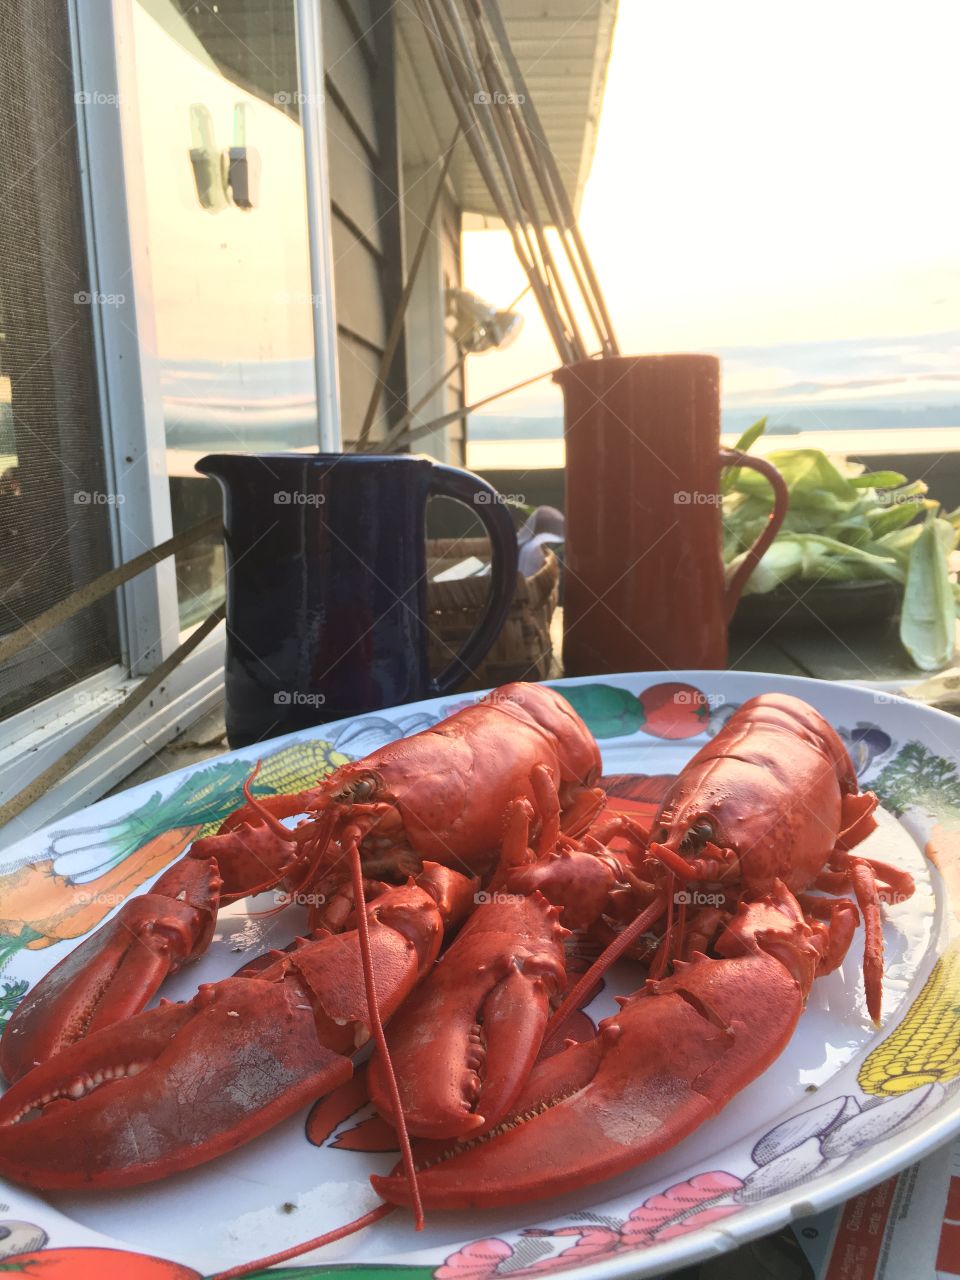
(114,212)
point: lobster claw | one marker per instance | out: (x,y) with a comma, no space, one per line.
(673,1056)
(175,1086)
(464,1043)
(167,1089)
(115,972)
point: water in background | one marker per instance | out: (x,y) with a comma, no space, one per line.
(895,389)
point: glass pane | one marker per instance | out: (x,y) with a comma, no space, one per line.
(55,504)
(223,167)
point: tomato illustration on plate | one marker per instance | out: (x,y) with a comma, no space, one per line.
(674,710)
(105,1264)
(668,710)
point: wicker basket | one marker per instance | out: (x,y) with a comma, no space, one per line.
(522,651)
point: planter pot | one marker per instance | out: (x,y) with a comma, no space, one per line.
(834,605)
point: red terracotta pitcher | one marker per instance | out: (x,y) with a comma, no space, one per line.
(644,578)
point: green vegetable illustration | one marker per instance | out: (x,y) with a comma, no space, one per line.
(607,711)
(85,870)
(12,993)
(919,779)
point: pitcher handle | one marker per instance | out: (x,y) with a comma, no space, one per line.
(452,482)
(781,501)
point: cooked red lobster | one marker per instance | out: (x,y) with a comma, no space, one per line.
(765,812)
(432,806)
(503,794)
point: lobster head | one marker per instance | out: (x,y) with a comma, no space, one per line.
(713,819)
(772,795)
(439,795)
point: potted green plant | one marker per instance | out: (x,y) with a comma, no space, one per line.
(855,544)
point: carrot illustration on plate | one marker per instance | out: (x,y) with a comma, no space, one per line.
(84,872)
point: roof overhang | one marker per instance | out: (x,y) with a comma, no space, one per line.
(562,48)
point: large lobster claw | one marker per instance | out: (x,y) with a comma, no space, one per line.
(464,1043)
(175,1086)
(673,1056)
(167,1089)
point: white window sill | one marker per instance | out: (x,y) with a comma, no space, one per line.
(37,737)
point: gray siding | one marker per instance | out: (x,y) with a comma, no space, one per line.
(364,186)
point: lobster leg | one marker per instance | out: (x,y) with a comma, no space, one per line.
(580,807)
(181,1084)
(865,887)
(548,804)
(893,883)
(863,876)
(838,918)
(856,818)
(673,1056)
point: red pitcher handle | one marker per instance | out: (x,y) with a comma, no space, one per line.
(781,501)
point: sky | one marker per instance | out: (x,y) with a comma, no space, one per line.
(779,184)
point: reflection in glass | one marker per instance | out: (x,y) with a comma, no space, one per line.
(223,166)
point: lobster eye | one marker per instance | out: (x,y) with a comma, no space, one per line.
(698,834)
(660,835)
(359,790)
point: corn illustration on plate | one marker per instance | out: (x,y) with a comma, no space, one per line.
(845,1106)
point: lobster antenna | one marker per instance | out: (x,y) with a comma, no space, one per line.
(608,957)
(338,1233)
(658,965)
(325,823)
(275,825)
(376,1026)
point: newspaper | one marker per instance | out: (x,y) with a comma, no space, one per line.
(907,1228)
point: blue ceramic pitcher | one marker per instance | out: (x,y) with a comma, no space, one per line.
(326,584)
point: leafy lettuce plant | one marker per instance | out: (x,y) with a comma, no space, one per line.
(847,524)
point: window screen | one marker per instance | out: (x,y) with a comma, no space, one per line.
(55,508)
